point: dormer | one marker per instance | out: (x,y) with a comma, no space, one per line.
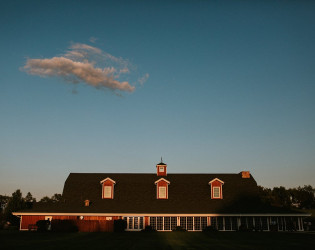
(161,169)
(216,188)
(108,188)
(162,189)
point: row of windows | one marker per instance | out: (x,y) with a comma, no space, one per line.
(162,188)
(221,223)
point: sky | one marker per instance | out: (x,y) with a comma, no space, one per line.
(111,86)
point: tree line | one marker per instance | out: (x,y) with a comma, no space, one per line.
(300,197)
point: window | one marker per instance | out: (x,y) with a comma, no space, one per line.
(108,188)
(161,169)
(134,223)
(107,192)
(162,192)
(216,192)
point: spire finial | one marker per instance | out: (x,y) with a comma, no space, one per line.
(161,160)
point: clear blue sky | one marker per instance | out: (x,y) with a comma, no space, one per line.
(111,86)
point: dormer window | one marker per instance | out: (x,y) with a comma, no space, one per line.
(216,188)
(108,188)
(162,188)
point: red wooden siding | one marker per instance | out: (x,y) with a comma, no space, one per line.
(87,224)
(27,220)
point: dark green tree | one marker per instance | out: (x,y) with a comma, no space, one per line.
(281,197)
(15,203)
(45,199)
(56,197)
(29,198)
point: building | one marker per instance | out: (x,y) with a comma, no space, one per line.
(164,201)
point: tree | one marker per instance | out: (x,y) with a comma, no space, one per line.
(15,203)
(29,198)
(54,198)
(45,199)
(303,197)
(281,197)
(3,202)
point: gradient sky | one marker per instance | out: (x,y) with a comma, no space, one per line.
(212,86)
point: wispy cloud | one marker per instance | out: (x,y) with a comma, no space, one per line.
(93,39)
(81,63)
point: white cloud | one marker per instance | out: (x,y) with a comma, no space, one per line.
(143,79)
(79,64)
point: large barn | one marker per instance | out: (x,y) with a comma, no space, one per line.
(164,201)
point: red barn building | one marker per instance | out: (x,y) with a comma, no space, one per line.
(164,201)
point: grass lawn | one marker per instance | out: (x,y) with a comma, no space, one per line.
(156,240)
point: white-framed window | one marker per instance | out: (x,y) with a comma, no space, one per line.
(216,192)
(48,218)
(162,193)
(107,191)
(161,169)
(134,223)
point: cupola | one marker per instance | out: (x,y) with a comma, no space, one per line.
(161,168)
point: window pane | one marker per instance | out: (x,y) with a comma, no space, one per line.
(196,223)
(203,222)
(162,192)
(214,222)
(153,222)
(141,223)
(159,223)
(183,222)
(173,222)
(130,223)
(107,192)
(234,223)
(189,223)
(167,223)
(135,223)
(220,223)
(216,192)
(227,223)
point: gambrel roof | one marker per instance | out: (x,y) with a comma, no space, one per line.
(136,193)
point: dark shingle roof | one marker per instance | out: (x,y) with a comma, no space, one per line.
(136,193)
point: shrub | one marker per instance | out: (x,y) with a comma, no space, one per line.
(179,229)
(42,225)
(120,225)
(209,229)
(63,226)
(148,229)
(244,228)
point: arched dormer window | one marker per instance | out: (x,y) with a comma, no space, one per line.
(108,188)
(162,188)
(216,188)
